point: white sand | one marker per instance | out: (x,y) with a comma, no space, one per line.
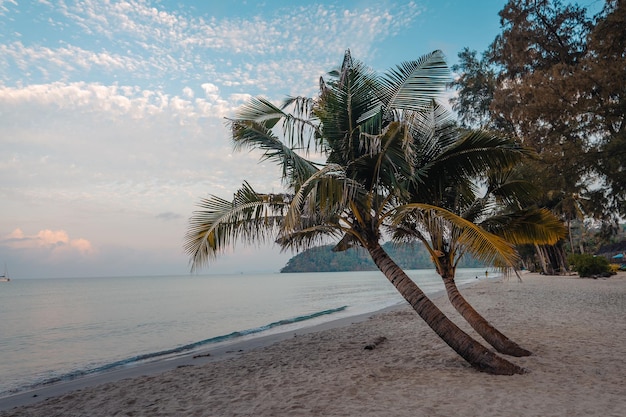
(575,327)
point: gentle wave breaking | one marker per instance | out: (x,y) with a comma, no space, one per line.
(185,348)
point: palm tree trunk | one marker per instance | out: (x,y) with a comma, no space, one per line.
(492,335)
(571,238)
(542,259)
(563,266)
(469,349)
(581,243)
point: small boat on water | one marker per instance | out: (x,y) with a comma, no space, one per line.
(5,277)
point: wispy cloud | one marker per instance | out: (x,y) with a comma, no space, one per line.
(167,216)
(64,61)
(3,5)
(116,100)
(291,45)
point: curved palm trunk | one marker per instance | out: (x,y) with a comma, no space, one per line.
(469,349)
(496,339)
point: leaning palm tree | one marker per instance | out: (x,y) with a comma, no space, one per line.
(365,127)
(455,163)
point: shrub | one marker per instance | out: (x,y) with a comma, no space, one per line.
(589,265)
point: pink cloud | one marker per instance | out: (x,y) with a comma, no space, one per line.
(82,245)
(53,240)
(52,237)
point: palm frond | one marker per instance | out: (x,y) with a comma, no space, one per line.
(298,128)
(394,164)
(432,131)
(348,108)
(252,135)
(323,196)
(478,151)
(309,234)
(347,242)
(261,111)
(445,228)
(529,226)
(412,85)
(433,128)
(250,217)
(515,192)
(502,195)
(318,209)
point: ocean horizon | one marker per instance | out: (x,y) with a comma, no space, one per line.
(58,329)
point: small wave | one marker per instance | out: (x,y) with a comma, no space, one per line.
(185,348)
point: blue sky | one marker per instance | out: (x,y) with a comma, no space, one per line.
(112,113)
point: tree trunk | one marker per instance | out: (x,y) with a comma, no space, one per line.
(563,266)
(542,259)
(581,243)
(496,339)
(469,349)
(571,238)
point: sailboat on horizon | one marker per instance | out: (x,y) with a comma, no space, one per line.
(5,277)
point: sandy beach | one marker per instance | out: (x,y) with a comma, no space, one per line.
(575,327)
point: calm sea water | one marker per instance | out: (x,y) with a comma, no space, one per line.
(56,329)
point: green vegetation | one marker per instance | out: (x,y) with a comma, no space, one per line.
(554,79)
(590,265)
(323,259)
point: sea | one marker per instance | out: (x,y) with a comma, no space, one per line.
(60,329)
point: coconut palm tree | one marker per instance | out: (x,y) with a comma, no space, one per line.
(464,174)
(365,127)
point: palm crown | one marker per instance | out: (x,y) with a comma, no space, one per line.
(387,146)
(389,152)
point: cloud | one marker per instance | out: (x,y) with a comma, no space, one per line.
(51,238)
(167,216)
(210,90)
(132,101)
(3,8)
(188,92)
(81,245)
(155,43)
(113,122)
(55,242)
(67,59)
(123,155)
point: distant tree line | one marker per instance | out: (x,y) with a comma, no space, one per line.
(323,259)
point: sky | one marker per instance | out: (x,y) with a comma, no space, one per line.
(112,114)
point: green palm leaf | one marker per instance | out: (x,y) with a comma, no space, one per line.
(250,217)
(322,194)
(475,152)
(261,111)
(252,135)
(444,227)
(412,85)
(529,226)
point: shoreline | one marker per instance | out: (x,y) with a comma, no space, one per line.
(574,326)
(143,336)
(209,353)
(202,356)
